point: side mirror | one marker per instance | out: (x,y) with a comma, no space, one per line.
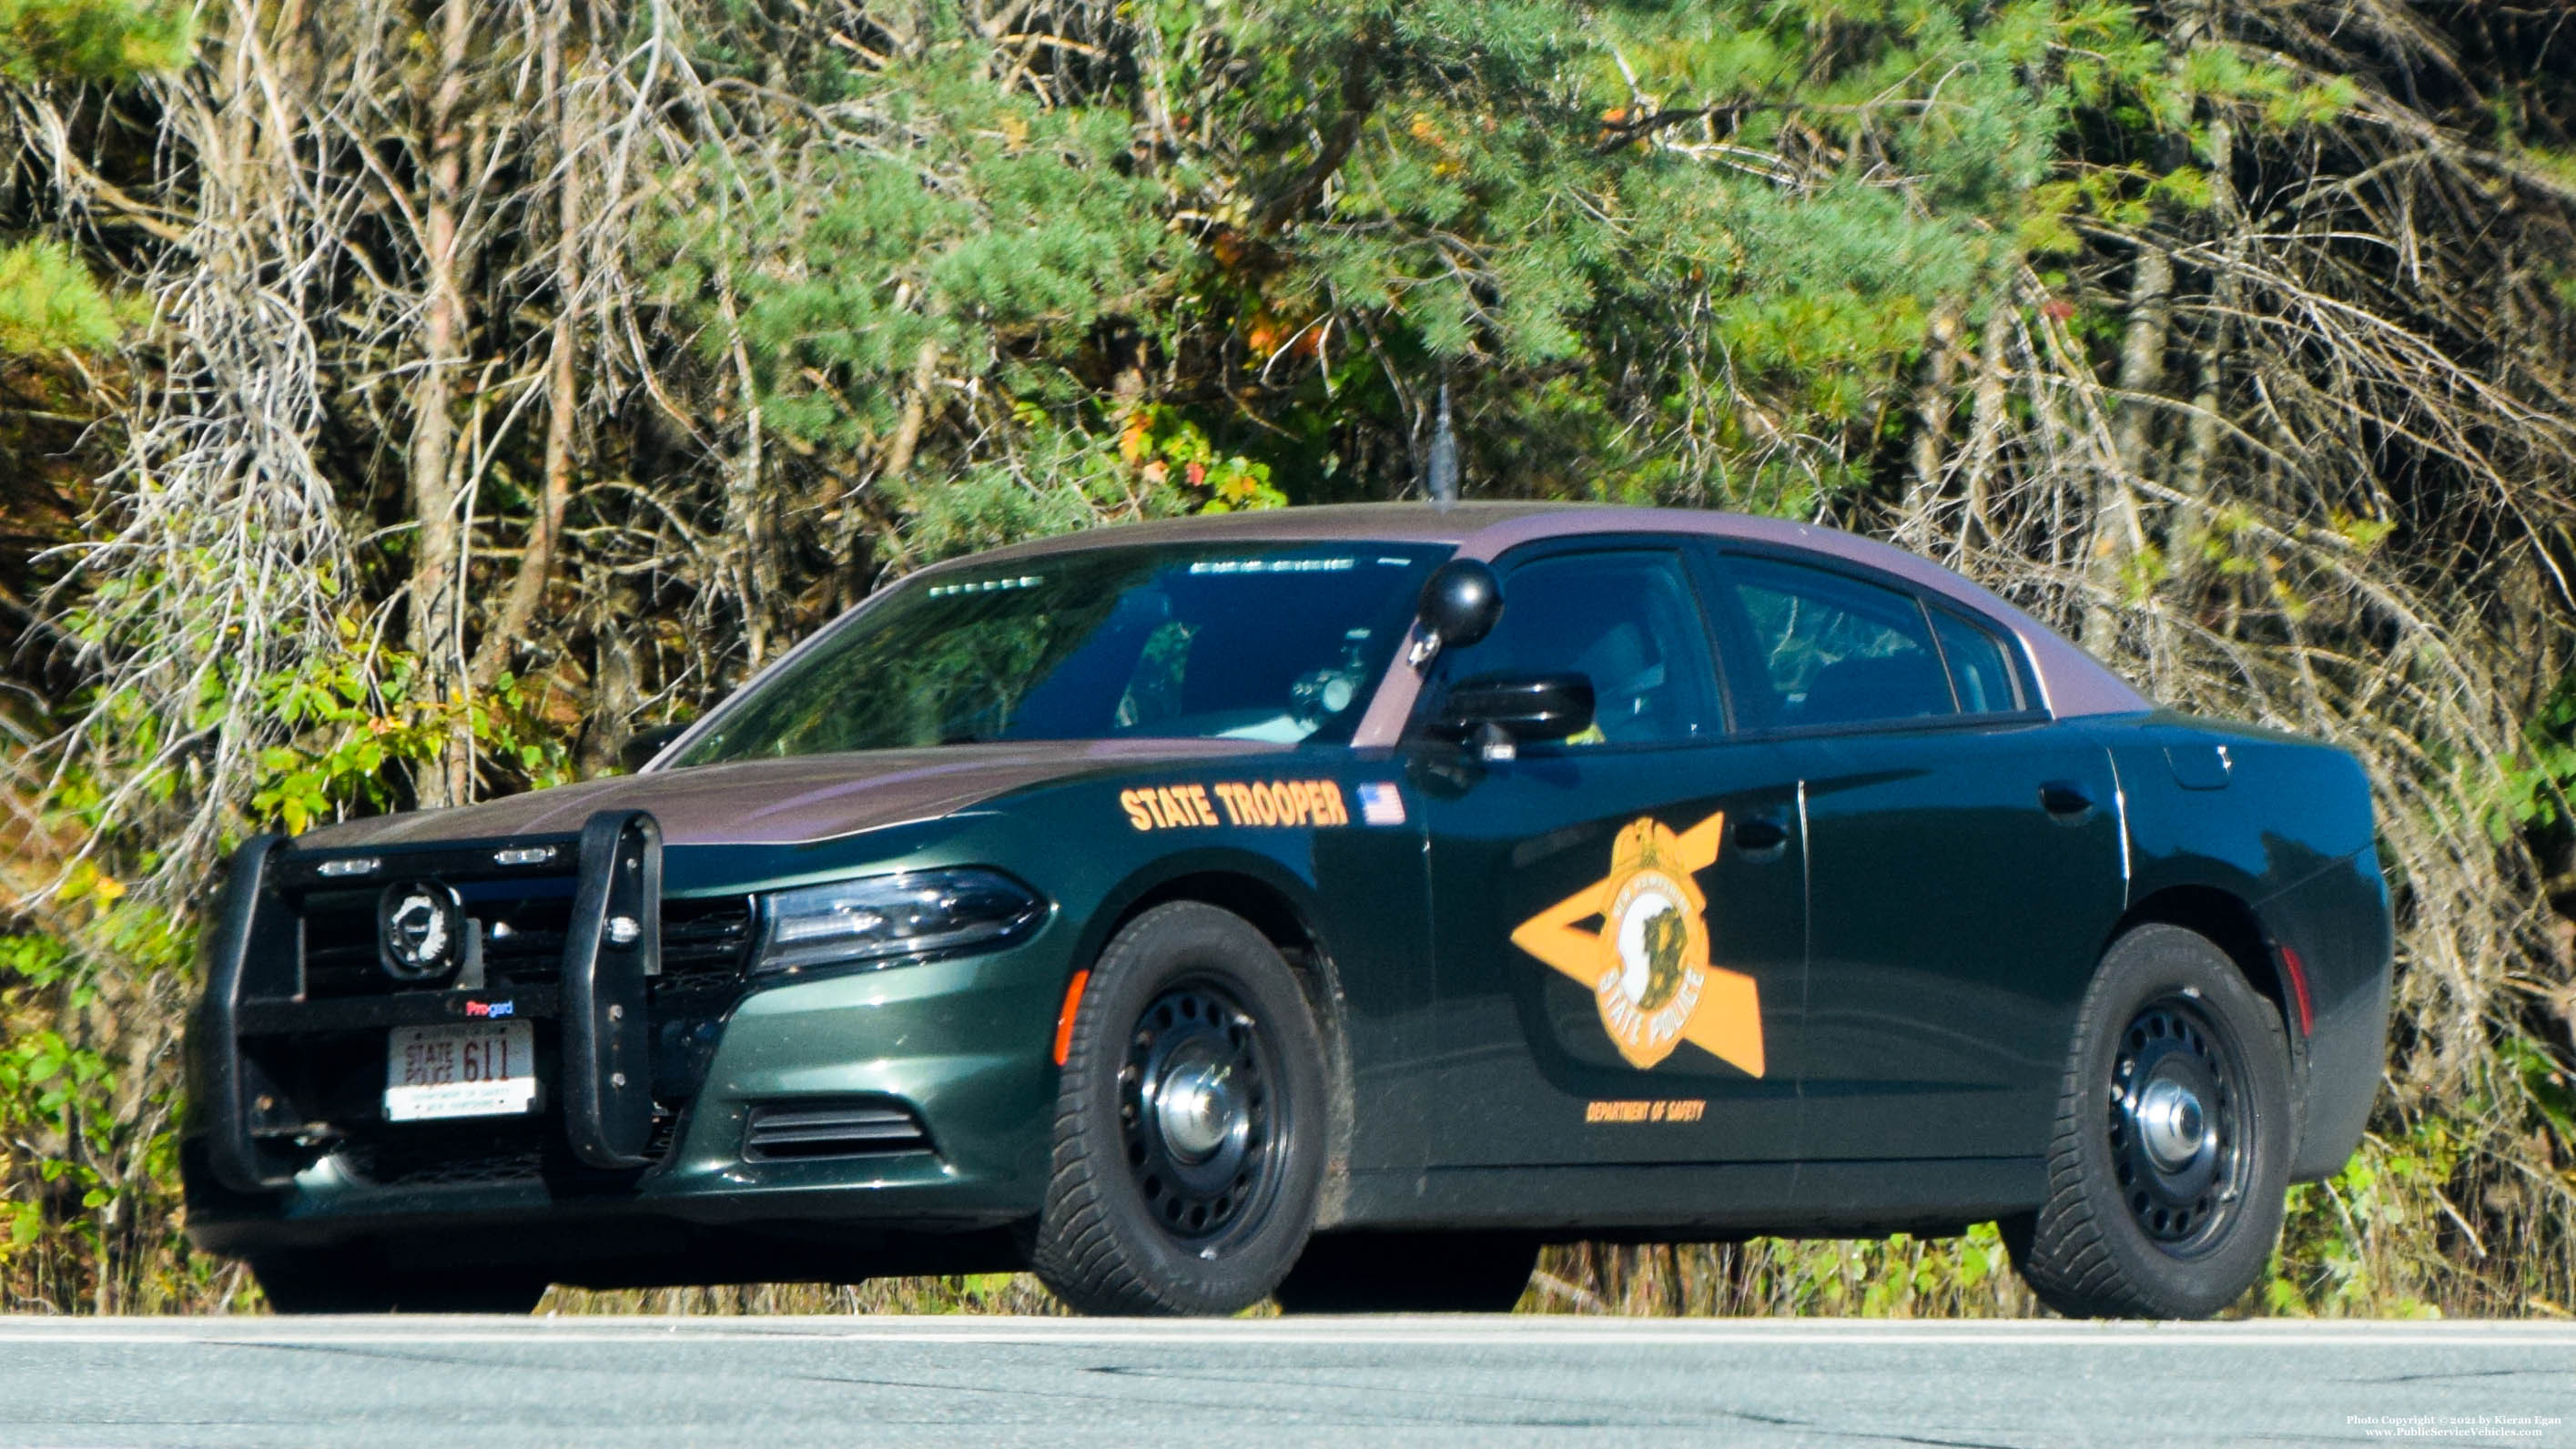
(1528,708)
(643,745)
(1460,602)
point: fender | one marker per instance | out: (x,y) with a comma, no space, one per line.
(2282,828)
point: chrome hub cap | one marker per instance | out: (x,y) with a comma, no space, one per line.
(1198,1108)
(2171,1124)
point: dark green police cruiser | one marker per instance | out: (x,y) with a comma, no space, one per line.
(1335,903)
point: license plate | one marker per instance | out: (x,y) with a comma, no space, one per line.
(486,1069)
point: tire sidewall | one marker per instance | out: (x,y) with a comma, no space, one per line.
(1164,947)
(2149,964)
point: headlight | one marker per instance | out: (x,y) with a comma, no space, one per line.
(918,913)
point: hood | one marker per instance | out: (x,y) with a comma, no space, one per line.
(784,802)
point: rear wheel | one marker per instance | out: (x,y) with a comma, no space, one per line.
(351,1282)
(1189,1123)
(1411,1273)
(2173,1139)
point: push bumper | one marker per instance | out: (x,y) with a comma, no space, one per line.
(960,1045)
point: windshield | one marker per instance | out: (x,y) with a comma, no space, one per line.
(1277,642)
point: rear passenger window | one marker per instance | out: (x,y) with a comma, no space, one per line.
(1980,670)
(1827,649)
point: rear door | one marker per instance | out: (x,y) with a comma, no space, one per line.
(1617,920)
(1963,854)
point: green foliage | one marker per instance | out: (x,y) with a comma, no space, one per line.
(1169,451)
(1596,225)
(49,301)
(93,40)
(350,741)
(2355,1244)
(1902,1276)
(2533,793)
(88,1148)
(996,235)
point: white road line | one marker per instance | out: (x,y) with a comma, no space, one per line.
(1501,1332)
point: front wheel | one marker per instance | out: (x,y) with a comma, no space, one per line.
(2171,1154)
(1189,1123)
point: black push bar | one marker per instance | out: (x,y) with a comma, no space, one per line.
(613,942)
(612,945)
(243,933)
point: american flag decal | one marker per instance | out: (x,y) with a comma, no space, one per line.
(1380,804)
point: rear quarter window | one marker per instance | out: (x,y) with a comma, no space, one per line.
(1981,668)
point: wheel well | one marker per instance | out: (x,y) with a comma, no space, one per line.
(1256,901)
(2231,925)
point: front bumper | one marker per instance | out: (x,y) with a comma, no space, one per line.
(961,1044)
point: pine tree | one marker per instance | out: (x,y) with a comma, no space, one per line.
(48,300)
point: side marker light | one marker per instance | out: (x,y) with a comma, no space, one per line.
(1064,1018)
(2297,971)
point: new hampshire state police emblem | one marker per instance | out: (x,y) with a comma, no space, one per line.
(1647,965)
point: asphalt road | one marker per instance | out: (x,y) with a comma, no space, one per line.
(459,1383)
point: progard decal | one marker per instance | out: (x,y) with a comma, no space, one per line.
(1648,966)
(1236,802)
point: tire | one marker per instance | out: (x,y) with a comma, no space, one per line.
(2173,1139)
(1411,1273)
(348,1282)
(1191,1031)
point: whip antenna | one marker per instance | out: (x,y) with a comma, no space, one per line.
(1444,457)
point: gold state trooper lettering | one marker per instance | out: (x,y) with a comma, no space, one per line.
(1648,966)
(1258,802)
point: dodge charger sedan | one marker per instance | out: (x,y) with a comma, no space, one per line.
(1333,905)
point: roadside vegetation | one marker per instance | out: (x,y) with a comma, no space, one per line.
(402,403)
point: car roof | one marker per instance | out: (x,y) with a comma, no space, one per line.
(1319,523)
(2071,681)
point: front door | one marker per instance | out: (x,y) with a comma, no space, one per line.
(1963,859)
(1617,920)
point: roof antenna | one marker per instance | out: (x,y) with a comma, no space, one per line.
(1444,459)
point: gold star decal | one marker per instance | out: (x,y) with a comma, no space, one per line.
(1647,966)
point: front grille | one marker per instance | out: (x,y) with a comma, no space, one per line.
(523,924)
(705,937)
(444,1156)
(870,1127)
(479,1153)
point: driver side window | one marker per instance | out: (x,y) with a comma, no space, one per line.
(1628,621)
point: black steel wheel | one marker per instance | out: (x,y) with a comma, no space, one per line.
(2178,1139)
(1203,1129)
(2173,1141)
(1188,1144)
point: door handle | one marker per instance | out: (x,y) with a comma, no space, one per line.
(1761,837)
(2066,800)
